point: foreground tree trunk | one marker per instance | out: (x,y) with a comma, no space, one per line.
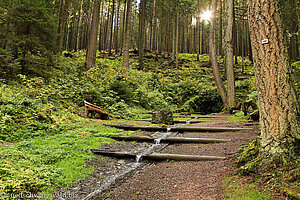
(213,55)
(229,58)
(279,112)
(92,45)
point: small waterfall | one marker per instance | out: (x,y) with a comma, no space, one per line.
(157,141)
(168,129)
(138,158)
(187,122)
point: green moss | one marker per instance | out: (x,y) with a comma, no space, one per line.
(249,153)
(291,194)
(251,166)
(236,189)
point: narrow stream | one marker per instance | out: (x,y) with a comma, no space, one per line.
(127,168)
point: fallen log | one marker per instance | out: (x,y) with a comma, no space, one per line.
(180,129)
(158,156)
(167,140)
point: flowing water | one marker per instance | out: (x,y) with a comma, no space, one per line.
(157,141)
(129,167)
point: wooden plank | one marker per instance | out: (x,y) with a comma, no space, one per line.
(159,156)
(181,129)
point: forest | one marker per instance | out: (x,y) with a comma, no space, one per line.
(234,59)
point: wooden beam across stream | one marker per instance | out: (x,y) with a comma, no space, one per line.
(158,156)
(176,121)
(179,129)
(170,140)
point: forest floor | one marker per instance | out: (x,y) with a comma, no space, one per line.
(170,179)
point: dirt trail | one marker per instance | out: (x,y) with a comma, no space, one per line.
(185,180)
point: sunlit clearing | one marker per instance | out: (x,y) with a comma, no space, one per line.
(206,15)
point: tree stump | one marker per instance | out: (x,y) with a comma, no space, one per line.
(163,117)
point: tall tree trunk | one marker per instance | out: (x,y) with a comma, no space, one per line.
(101,38)
(123,28)
(88,25)
(127,36)
(221,29)
(213,55)
(111,27)
(92,46)
(116,26)
(62,24)
(229,57)
(141,33)
(152,47)
(79,26)
(198,36)
(107,30)
(173,39)
(279,112)
(177,34)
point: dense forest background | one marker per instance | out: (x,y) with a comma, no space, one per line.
(130,58)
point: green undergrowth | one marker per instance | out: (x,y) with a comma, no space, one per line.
(236,189)
(44,163)
(44,138)
(281,179)
(239,116)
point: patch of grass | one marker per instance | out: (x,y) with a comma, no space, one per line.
(45,163)
(235,189)
(239,116)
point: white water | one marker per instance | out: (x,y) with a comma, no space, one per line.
(138,158)
(132,165)
(157,141)
(107,182)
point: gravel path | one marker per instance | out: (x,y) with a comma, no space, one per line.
(185,180)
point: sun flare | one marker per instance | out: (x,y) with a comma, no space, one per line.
(206,15)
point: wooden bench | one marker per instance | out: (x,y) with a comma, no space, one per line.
(94,111)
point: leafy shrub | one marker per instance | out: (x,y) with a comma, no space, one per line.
(206,102)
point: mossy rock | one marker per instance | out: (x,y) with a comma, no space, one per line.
(163,117)
(252,167)
(249,154)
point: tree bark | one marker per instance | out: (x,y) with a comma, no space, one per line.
(213,55)
(123,28)
(62,24)
(117,27)
(111,27)
(177,34)
(229,59)
(221,29)
(141,33)
(79,27)
(279,112)
(153,28)
(92,46)
(127,36)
